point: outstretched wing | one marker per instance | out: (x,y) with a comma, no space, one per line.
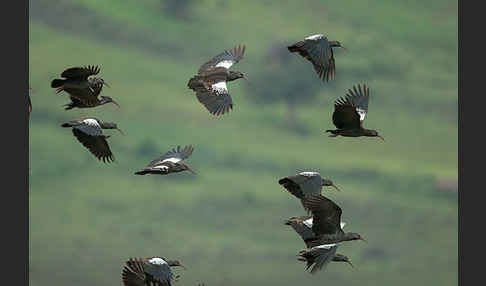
(326,214)
(133,273)
(316,50)
(303,184)
(174,156)
(96,144)
(360,97)
(216,99)
(81,73)
(226,59)
(322,255)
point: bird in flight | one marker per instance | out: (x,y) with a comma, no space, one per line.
(210,84)
(350,112)
(318,50)
(326,221)
(305,184)
(83,89)
(152,271)
(170,162)
(89,132)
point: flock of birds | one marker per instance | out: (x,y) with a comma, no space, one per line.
(321,231)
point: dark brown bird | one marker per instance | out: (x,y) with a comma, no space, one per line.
(210,82)
(305,184)
(318,50)
(316,255)
(350,112)
(152,271)
(170,162)
(89,131)
(83,90)
(326,220)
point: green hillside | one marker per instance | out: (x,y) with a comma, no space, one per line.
(226,223)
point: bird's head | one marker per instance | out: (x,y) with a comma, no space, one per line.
(353,236)
(107,99)
(233,75)
(111,125)
(175,263)
(329,183)
(342,258)
(374,133)
(336,44)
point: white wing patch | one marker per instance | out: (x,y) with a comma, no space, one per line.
(163,167)
(326,246)
(220,87)
(90,127)
(315,37)
(309,174)
(362,113)
(173,160)
(308,222)
(225,64)
(343,224)
(157,261)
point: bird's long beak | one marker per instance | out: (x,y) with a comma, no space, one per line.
(115,103)
(362,238)
(334,186)
(247,80)
(120,131)
(381,138)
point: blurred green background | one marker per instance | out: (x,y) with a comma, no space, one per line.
(226,223)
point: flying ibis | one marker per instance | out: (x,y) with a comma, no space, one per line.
(152,271)
(305,184)
(89,131)
(83,90)
(210,82)
(326,220)
(350,112)
(318,50)
(316,255)
(170,162)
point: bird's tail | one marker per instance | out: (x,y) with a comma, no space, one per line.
(57,83)
(332,131)
(66,125)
